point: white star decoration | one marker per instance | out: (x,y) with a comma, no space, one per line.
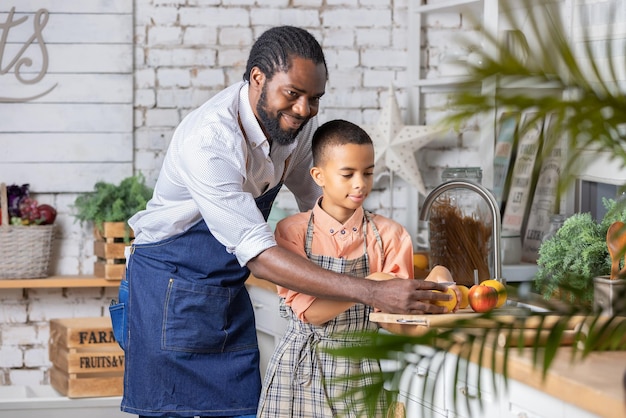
(395,143)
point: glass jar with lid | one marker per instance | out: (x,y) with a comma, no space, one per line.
(556,222)
(460,229)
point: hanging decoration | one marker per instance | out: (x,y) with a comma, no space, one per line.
(395,144)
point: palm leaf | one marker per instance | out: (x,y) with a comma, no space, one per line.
(589,110)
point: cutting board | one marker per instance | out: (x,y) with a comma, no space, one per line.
(450,320)
(527,331)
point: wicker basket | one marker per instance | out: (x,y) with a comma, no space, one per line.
(25,251)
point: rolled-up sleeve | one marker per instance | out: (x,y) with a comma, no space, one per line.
(211,168)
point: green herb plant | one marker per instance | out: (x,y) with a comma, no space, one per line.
(113,203)
(570,260)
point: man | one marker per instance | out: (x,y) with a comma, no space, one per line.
(190,342)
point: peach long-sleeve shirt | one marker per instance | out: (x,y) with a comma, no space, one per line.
(332,238)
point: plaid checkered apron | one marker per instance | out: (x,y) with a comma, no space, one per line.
(301,379)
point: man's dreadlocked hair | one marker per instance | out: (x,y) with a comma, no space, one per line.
(275,48)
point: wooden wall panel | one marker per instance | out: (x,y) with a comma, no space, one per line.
(66,117)
(65,148)
(66,93)
(71,6)
(66,178)
(75,88)
(76,28)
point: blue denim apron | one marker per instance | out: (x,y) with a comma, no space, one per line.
(190,343)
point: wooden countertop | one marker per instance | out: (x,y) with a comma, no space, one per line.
(594,384)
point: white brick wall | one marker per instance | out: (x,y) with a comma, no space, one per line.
(186,51)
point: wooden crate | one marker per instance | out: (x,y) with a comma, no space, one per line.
(86,385)
(87,360)
(109,247)
(78,360)
(82,333)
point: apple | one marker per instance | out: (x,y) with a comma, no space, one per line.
(47,214)
(500,290)
(450,304)
(464,302)
(482,298)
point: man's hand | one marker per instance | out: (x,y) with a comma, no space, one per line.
(401,296)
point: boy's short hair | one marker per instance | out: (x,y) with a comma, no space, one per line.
(334,133)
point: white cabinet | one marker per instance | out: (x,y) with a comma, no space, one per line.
(421,387)
(270,325)
(463,399)
(45,401)
(471,401)
(523,401)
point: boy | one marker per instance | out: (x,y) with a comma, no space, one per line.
(339,235)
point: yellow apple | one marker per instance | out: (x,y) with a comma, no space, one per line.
(450,304)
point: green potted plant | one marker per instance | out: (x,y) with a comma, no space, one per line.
(113,203)
(570,260)
(109,207)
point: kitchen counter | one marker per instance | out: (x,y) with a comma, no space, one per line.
(593,384)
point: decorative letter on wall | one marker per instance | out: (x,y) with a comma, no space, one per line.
(66,93)
(20,61)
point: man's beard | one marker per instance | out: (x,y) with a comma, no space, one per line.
(271,124)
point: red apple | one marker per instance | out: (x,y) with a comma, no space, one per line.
(47,214)
(482,298)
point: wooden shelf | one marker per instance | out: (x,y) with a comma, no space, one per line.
(57,282)
(449,6)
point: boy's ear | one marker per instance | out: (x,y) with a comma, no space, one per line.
(317,175)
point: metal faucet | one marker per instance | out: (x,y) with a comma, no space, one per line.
(495,214)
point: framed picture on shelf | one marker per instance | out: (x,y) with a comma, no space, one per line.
(524,175)
(545,201)
(504,153)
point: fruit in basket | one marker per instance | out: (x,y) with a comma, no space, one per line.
(482,298)
(47,215)
(28,210)
(32,213)
(500,290)
(15,194)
